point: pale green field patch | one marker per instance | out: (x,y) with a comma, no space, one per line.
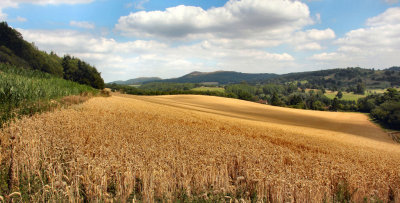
(211,89)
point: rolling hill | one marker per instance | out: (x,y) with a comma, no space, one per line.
(217,77)
(220,77)
(330,78)
(136,81)
(343,78)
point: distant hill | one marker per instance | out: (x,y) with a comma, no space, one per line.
(342,77)
(394,68)
(330,79)
(136,81)
(221,77)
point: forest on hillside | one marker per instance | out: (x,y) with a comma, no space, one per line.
(14,50)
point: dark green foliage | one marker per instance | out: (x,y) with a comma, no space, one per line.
(335,105)
(383,107)
(242,91)
(275,100)
(350,79)
(18,52)
(366,104)
(28,54)
(221,77)
(139,91)
(137,81)
(168,86)
(339,94)
(273,88)
(360,89)
(81,72)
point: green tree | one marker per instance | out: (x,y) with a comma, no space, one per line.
(360,89)
(339,94)
(335,105)
(275,100)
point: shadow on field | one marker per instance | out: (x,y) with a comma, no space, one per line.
(351,123)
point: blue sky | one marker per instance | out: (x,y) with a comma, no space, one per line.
(133,38)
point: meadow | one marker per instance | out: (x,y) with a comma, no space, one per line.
(190,148)
(25,92)
(346,96)
(354,97)
(211,89)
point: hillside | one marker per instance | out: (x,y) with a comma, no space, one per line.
(220,77)
(200,148)
(14,50)
(330,79)
(136,81)
(343,78)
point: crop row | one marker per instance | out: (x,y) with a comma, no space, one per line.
(25,92)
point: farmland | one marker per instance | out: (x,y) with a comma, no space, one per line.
(191,148)
(25,92)
(217,89)
(346,96)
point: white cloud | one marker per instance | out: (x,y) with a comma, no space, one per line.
(310,39)
(315,34)
(21,19)
(125,60)
(236,25)
(326,56)
(309,46)
(3,16)
(376,45)
(82,24)
(234,37)
(390,17)
(6,4)
(236,19)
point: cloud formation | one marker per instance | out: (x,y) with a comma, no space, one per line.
(124,60)
(376,45)
(238,36)
(236,19)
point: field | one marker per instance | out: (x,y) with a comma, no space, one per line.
(211,89)
(354,97)
(191,148)
(346,96)
(378,91)
(25,92)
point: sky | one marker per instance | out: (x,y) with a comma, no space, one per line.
(127,39)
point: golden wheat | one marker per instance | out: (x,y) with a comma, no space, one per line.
(167,148)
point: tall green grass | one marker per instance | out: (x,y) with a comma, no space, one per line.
(25,92)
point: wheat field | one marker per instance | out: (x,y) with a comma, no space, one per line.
(192,148)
